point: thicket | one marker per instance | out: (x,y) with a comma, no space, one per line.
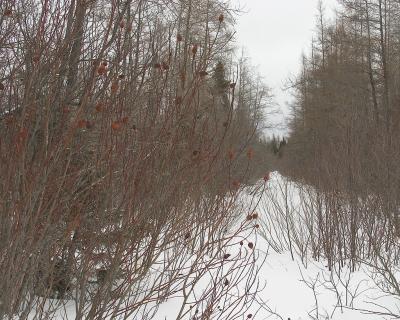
(127,133)
(344,143)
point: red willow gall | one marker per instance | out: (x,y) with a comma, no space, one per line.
(66,110)
(194,49)
(7,12)
(250,153)
(101,70)
(99,107)
(251,245)
(178,100)
(82,124)
(221,18)
(165,66)
(114,87)
(255,215)
(116,125)
(203,73)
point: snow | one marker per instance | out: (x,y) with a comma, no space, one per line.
(286,286)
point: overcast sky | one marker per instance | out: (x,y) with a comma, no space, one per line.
(274,34)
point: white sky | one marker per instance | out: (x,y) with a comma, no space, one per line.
(274,34)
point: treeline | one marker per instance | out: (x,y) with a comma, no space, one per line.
(345,130)
(126,134)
